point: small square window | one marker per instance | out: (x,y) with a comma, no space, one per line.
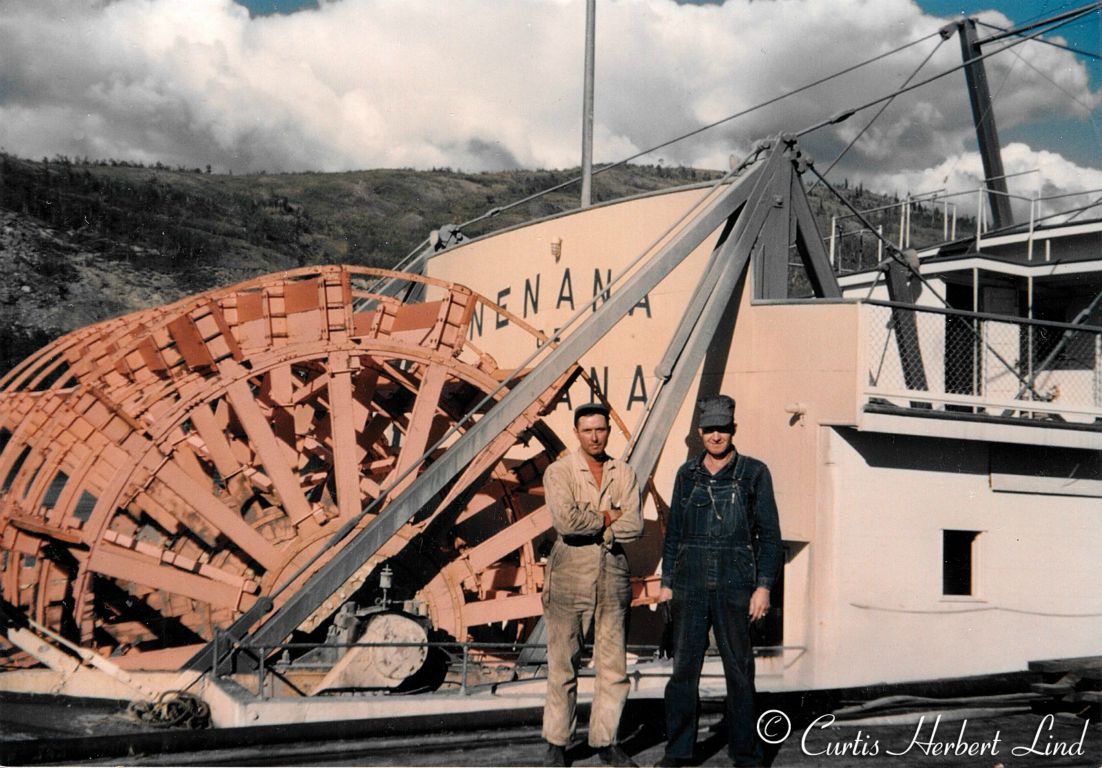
(958,552)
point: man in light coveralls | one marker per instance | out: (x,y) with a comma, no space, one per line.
(594,503)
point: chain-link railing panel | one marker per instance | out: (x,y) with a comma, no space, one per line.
(923,357)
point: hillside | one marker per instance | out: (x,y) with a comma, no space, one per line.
(81,242)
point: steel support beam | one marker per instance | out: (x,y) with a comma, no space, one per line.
(729,265)
(983,115)
(770,264)
(906,328)
(809,244)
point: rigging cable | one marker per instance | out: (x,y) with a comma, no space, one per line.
(1075,12)
(1090,116)
(1076,51)
(1059,87)
(1075,100)
(412,256)
(709,126)
(848,113)
(875,117)
(1075,213)
(1062,20)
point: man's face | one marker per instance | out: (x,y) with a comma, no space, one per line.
(592,432)
(717,440)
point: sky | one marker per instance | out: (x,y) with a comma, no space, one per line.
(335,85)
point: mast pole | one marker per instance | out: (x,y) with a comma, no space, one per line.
(587,103)
(975,75)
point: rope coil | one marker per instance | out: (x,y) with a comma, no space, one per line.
(173,709)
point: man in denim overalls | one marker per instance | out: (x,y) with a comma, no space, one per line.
(721,555)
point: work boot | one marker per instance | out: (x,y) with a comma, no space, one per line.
(669,761)
(555,757)
(613,755)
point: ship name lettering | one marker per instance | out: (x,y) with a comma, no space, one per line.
(529,296)
(598,385)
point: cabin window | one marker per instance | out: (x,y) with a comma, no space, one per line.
(958,554)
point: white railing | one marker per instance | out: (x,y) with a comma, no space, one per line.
(998,365)
(856,248)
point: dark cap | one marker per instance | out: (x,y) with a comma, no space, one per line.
(590,409)
(716,411)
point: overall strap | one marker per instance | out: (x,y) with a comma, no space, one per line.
(742,467)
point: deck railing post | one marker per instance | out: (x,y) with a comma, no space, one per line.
(1032,224)
(263,695)
(463,681)
(1098,370)
(980,217)
(903,226)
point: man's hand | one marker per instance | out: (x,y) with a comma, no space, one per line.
(612,515)
(665,594)
(759,604)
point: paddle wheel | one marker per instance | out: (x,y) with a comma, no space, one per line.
(165,470)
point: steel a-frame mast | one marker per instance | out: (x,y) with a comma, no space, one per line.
(762,215)
(983,116)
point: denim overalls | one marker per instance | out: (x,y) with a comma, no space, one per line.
(722,541)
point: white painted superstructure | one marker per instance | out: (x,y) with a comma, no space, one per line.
(877,484)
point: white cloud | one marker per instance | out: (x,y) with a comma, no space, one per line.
(482,84)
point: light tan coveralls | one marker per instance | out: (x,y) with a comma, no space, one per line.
(583,583)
